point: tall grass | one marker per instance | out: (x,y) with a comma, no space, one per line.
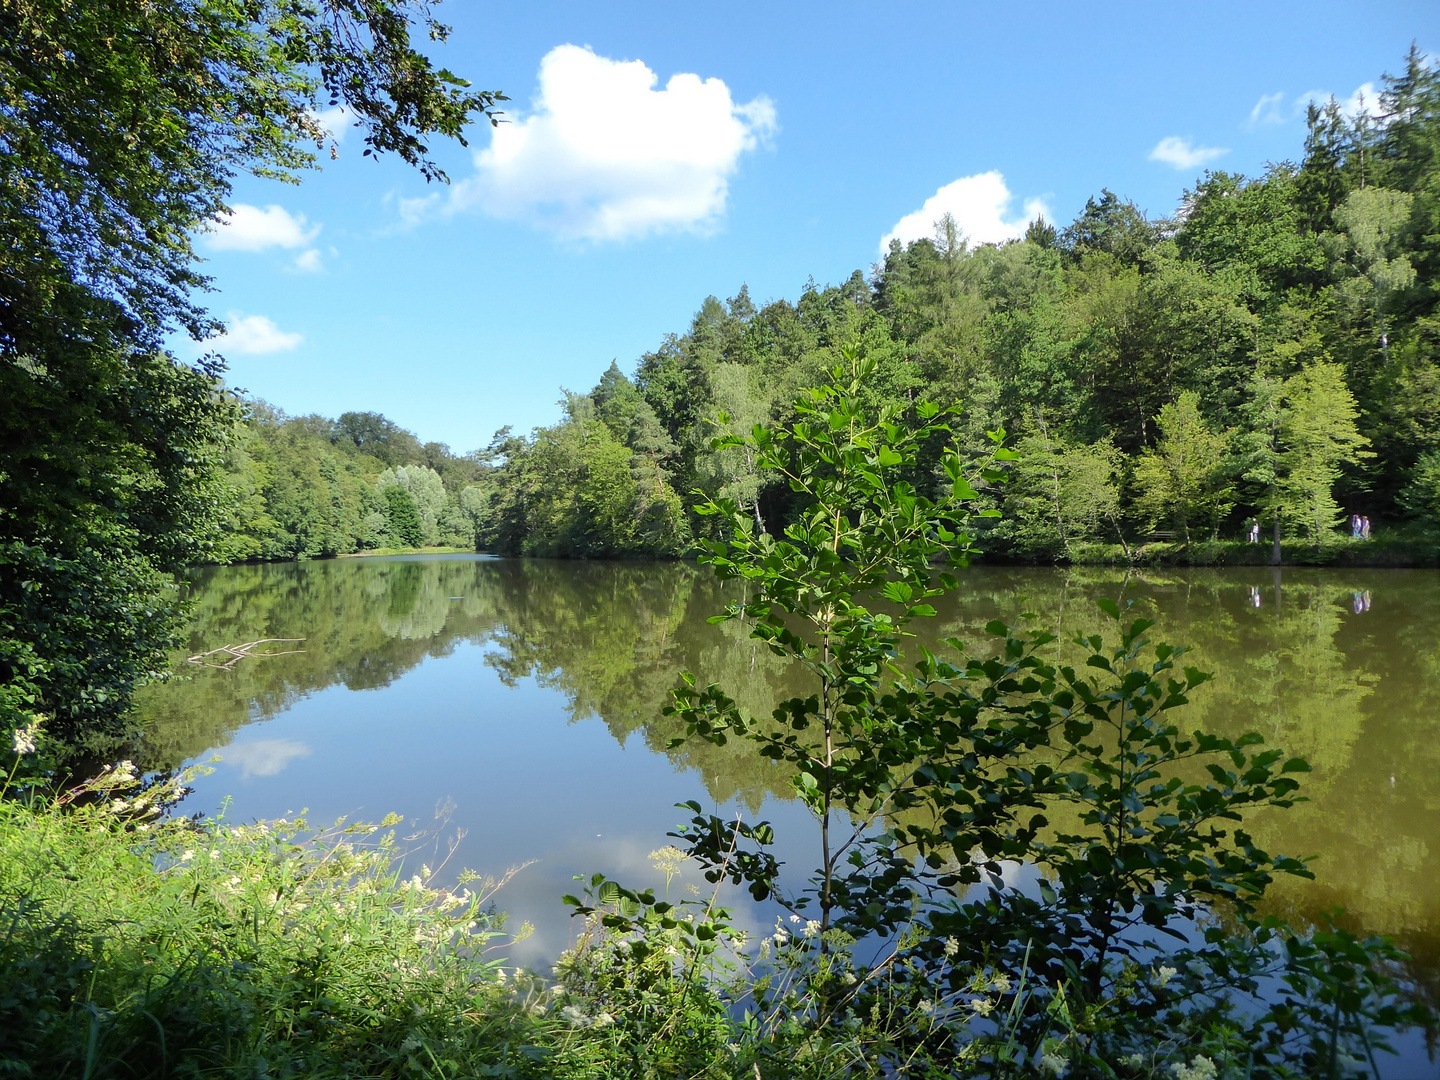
(131,945)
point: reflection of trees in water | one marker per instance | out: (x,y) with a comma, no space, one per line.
(1356,694)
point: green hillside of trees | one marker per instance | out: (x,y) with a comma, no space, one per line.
(1271,353)
(306,487)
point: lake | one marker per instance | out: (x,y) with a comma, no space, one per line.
(511,710)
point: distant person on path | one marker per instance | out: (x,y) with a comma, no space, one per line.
(1253,533)
(1355,524)
(1365,528)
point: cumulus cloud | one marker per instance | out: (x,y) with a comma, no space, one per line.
(1183,154)
(253,335)
(979,204)
(334,122)
(605,155)
(249,228)
(1268,110)
(264,757)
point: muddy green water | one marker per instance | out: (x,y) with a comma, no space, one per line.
(518,702)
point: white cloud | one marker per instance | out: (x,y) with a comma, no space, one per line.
(1183,154)
(307,262)
(253,335)
(413,211)
(979,204)
(249,228)
(1267,110)
(1365,98)
(607,156)
(264,757)
(334,122)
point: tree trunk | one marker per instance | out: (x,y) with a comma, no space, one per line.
(1275,551)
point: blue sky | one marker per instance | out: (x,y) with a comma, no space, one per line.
(776,142)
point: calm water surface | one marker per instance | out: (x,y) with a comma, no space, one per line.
(517,704)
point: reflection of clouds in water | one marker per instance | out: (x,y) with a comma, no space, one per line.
(264,757)
(534,894)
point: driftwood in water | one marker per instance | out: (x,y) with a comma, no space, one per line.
(240,652)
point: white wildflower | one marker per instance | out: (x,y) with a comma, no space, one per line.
(1133,1061)
(982,1006)
(951,946)
(25,738)
(1202,1068)
(187,854)
(603,1019)
(575,1017)
(781,939)
(1001,983)
(812,927)
(1053,1065)
(795,918)
(1162,976)
(850,979)
(926,1007)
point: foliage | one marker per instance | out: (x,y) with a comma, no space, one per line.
(576,489)
(1301,431)
(1308,291)
(1060,495)
(1130,932)
(306,487)
(402,519)
(1183,479)
(140,944)
(122,127)
(89,526)
(1422,495)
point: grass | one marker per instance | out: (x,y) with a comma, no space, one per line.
(133,944)
(1399,547)
(137,946)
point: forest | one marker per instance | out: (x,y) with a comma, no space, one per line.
(1268,355)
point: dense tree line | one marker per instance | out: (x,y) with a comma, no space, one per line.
(307,487)
(1269,354)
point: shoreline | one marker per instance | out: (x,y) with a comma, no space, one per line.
(1376,552)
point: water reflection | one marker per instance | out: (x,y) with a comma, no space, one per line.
(1342,667)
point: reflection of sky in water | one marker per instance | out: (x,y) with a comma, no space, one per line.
(263,757)
(1342,667)
(526,784)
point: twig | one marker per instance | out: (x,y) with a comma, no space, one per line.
(240,652)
